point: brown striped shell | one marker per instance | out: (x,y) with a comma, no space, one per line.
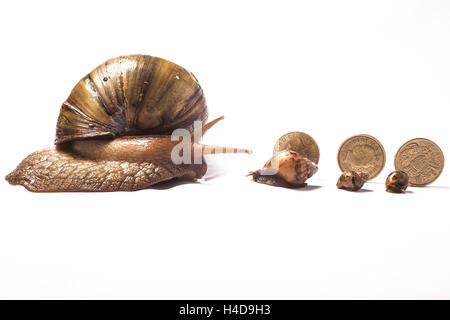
(131,95)
(352,180)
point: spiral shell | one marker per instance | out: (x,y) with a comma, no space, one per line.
(352,180)
(397,182)
(131,95)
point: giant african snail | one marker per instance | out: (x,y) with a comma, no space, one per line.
(113,132)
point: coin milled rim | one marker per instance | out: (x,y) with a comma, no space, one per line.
(367,136)
(304,133)
(443,161)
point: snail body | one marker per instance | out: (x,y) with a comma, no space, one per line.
(114,130)
(285,169)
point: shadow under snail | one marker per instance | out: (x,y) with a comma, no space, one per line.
(114,130)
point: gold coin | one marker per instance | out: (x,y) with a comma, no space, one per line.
(362,153)
(301,143)
(421,159)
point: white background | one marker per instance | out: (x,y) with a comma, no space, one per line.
(328,68)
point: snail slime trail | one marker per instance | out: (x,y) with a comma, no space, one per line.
(114,130)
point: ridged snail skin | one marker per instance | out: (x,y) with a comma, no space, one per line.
(58,170)
(113,131)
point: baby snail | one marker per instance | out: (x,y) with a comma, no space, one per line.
(397,182)
(352,180)
(285,169)
(114,130)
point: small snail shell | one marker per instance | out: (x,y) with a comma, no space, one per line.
(285,169)
(397,182)
(352,180)
(113,131)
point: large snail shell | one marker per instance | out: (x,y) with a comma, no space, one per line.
(131,95)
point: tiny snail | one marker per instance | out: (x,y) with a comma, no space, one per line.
(114,130)
(352,180)
(397,182)
(285,169)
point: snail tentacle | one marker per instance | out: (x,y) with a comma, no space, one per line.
(208,126)
(210,149)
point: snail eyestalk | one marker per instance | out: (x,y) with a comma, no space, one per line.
(210,124)
(206,149)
